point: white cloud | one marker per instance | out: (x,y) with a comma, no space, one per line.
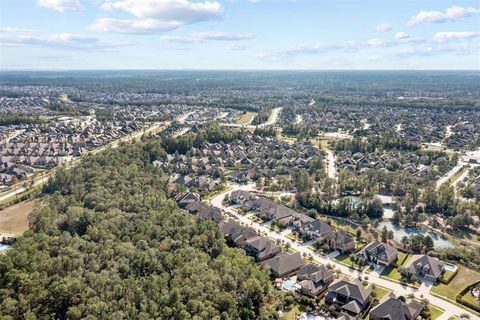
(383,27)
(378,43)
(133,26)
(55,40)
(157,15)
(61,5)
(401,35)
(451,14)
(199,37)
(454,35)
(237,46)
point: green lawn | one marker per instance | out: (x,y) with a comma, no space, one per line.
(464,278)
(435,312)
(344,259)
(290,315)
(392,273)
(379,292)
(402,258)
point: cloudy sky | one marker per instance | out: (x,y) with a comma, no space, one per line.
(239,34)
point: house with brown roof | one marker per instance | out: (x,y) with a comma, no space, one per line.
(285,264)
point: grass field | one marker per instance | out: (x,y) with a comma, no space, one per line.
(463,279)
(14,219)
(246,118)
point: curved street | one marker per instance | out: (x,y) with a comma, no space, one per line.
(423,291)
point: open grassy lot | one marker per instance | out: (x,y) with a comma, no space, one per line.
(246,118)
(463,279)
(14,219)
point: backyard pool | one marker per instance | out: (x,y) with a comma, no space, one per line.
(400,232)
(4,247)
(450,267)
(287,285)
(310,316)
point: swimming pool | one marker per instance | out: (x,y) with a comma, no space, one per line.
(450,267)
(287,285)
(4,247)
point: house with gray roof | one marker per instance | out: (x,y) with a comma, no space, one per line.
(349,295)
(236,233)
(315,229)
(393,308)
(379,252)
(261,248)
(314,279)
(341,241)
(285,264)
(424,266)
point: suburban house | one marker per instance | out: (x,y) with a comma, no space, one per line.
(341,241)
(349,295)
(380,253)
(211,213)
(195,207)
(315,229)
(314,279)
(392,308)
(186,198)
(261,248)
(285,264)
(424,266)
(240,196)
(236,233)
(201,209)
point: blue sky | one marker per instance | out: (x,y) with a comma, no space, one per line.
(239,34)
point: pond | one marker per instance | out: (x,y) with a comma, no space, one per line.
(400,232)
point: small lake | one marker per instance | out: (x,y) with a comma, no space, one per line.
(400,232)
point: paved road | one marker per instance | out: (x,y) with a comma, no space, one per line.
(272,119)
(331,169)
(373,277)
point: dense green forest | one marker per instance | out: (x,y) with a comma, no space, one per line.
(110,244)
